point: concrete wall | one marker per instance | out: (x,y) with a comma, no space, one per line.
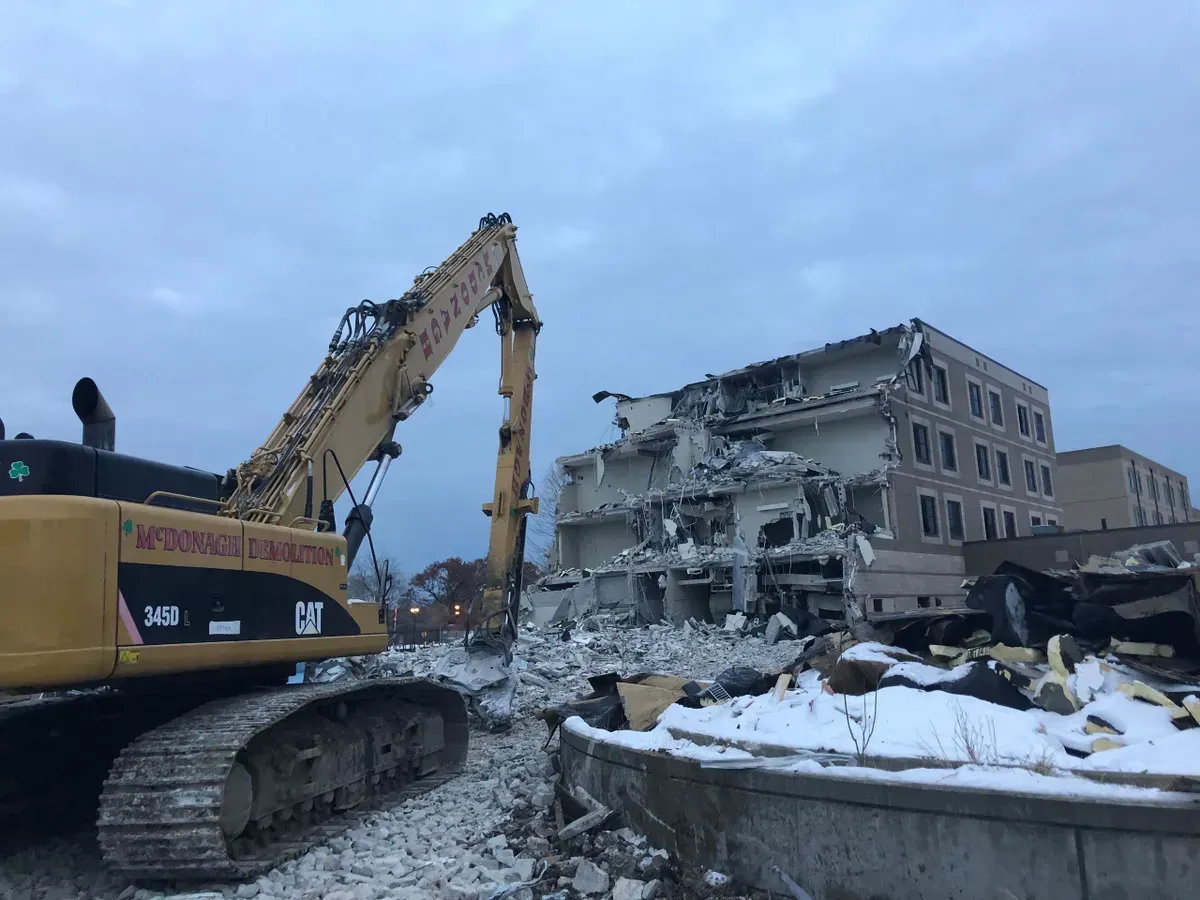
(1100,492)
(631,473)
(845,839)
(850,445)
(584,545)
(900,581)
(1095,493)
(864,363)
(1058,551)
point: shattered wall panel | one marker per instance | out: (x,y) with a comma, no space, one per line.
(640,414)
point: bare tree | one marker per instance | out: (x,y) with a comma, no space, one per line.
(540,536)
(363,582)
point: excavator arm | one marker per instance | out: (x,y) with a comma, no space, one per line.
(376,374)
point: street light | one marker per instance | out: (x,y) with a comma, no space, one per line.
(414,610)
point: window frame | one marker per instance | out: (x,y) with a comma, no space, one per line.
(980,444)
(997,452)
(1027,461)
(972,380)
(947,499)
(915,371)
(914,421)
(940,365)
(1009,511)
(984,506)
(999,395)
(1044,441)
(1045,477)
(1052,520)
(1027,434)
(1033,524)
(927,493)
(950,433)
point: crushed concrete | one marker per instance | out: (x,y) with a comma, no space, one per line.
(489,833)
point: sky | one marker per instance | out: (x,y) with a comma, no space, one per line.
(192,194)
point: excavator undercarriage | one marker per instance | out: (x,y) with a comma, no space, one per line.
(182,787)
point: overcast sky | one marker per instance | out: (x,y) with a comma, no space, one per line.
(191,195)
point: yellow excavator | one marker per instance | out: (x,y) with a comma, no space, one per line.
(151,614)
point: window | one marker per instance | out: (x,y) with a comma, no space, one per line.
(921,444)
(1039,427)
(954,519)
(983,462)
(916,376)
(1051,520)
(1153,486)
(1003,476)
(1035,521)
(941,385)
(1183,495)
(1170,492)
(1023,419)
(1133,478)
(1104,524)
(949,452)
(996,406)
(929,515)
(1157,517)
(989,523)
(1030,477)
(975,393)
(1139,515)
(1010,523)
(1047,484)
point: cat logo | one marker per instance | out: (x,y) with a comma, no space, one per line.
(308,617)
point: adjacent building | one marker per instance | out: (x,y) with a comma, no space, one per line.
(1114,487)
(836,482)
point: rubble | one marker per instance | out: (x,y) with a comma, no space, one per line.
(488,834)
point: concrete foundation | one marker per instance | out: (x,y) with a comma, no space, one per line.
(853,840)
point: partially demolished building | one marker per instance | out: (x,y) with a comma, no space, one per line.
(835,483)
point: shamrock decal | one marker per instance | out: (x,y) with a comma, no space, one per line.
(18,470)
(127,526)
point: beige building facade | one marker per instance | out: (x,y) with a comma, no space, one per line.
(1114,487)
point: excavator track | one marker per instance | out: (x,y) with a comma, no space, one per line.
(56,753)
(239,785)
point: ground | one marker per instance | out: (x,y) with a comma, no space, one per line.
(478,836)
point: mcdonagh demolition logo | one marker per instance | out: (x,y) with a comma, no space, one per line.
(209,543)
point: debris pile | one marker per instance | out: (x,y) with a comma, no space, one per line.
(505,828)
(1087,682)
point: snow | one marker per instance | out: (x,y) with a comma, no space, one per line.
(997,779)
(993,746)
(872,651)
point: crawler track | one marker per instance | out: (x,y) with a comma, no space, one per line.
(166,807)
(55,753)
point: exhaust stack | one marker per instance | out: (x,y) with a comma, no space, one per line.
(99,421)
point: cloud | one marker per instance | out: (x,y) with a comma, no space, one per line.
(192,194)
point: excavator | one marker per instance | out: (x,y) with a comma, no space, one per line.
(151,615)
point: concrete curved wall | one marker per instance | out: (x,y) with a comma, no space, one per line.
(854,840)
